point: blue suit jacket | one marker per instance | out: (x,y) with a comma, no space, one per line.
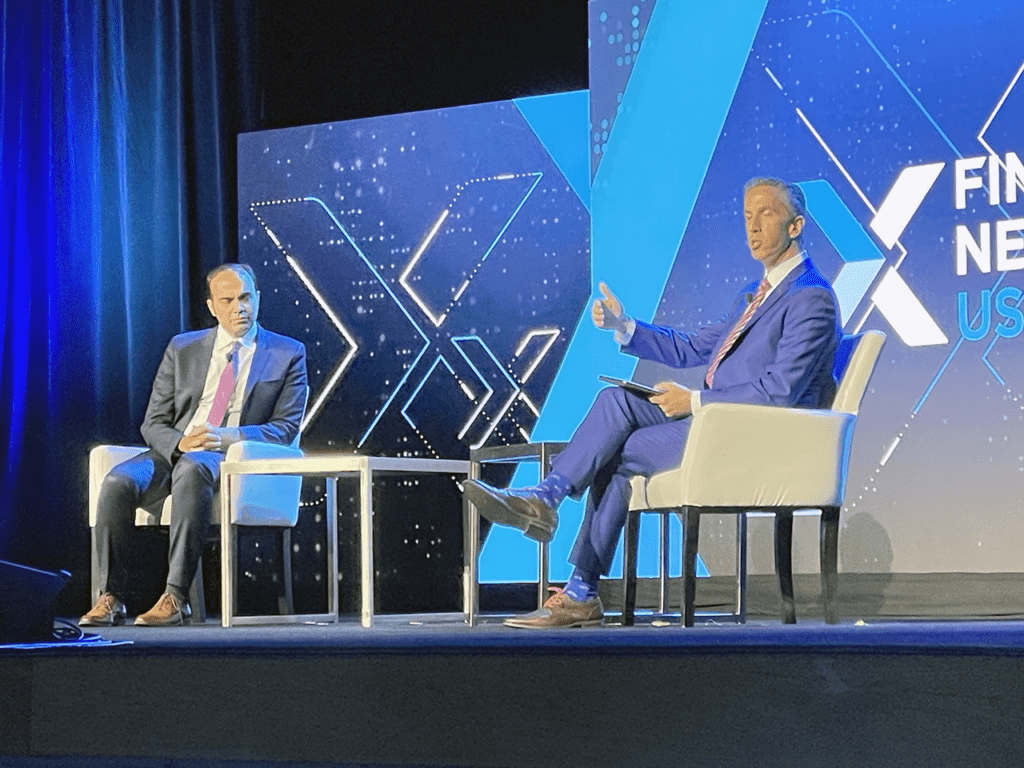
(275,392)
(785,356)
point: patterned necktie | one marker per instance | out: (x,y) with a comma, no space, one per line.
(737,329)
(226,385)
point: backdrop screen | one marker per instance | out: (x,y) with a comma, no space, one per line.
(902,122)
(438,267)
(435,265)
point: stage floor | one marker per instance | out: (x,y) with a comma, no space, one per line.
(448,633)
(419,690)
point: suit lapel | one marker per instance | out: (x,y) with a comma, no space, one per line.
(780,290)
(260,360)
(204,355)
(196,366)
(741,307)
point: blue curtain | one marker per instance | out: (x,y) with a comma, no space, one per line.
(119,120)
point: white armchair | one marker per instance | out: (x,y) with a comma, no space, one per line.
(746,458)
(261,501)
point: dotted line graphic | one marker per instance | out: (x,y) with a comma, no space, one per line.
(460,188)
(426,442)
(266,227)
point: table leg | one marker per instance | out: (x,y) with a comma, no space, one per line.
(331,510)
(542,573)
(228,551)
(543,566)
(366,542)
(471,555)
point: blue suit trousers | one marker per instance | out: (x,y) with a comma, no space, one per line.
(622,436)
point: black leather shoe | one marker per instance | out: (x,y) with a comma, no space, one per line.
(519,509)
(107,612)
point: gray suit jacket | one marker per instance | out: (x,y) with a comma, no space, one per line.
(275,393)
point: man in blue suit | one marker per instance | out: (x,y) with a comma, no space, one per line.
(237,381)
(776,346)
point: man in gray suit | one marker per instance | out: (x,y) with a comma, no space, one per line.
(237,381)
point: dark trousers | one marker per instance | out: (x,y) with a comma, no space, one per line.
(146,479)
(623,435)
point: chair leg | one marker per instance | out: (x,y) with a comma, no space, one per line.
(741,567)
(286,559)
(691,534)
(197,596)
(784,563)
(829,562)
(96,578)
(228,567)
(630,537)
(663,565)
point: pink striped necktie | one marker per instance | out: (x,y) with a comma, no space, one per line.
(762,289)
(226,385)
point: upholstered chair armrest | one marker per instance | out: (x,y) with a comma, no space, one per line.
(252,450)
(638,493)
(102,459)
(759,456)
(264,499)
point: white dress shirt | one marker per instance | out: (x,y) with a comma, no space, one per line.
(218,362)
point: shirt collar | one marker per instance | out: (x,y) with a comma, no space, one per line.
(778,273)
(225,340)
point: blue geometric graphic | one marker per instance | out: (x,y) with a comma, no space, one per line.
(848,96)
(862,258)
(650,174)
(559,121)
(617,34)
(838,223)
(307,233)
(428,262)
(463,237)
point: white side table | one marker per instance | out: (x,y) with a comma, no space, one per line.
(331,467)
(517,453)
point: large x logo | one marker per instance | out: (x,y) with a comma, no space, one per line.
(863,260)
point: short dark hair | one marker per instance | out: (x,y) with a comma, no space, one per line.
(792,195)
(238,269)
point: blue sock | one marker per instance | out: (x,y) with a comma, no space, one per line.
(552,489)
(582,585)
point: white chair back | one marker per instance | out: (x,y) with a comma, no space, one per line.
(855,361)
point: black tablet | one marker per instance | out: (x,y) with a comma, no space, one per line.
(637,389)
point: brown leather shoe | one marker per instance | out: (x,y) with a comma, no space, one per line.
(107,612)
(560,610)
(518,509)
(166,613)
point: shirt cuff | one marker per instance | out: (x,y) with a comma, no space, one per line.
(623,337)
(694,401)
